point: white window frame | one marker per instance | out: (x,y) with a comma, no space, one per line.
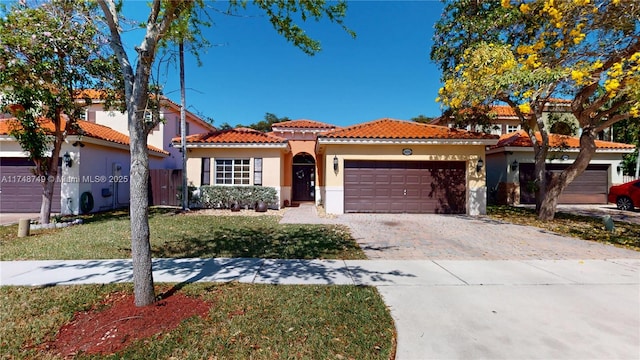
(511,127)
(238,175)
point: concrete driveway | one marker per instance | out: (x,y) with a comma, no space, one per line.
(13,218)
(521,292)
(451,237)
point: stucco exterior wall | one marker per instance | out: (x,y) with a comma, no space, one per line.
(272,170)
(96,168)
(332,193)
(10,148)
(159,137)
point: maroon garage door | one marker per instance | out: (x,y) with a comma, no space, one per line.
(19,192)
(404,187)
(589,188)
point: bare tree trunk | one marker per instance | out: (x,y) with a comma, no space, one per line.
(183,130)
(47,197)
(50,173)
(540,181)
(559,182)
(143,290)
(540,171)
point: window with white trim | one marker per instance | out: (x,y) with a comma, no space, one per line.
(233,172)
(512,128)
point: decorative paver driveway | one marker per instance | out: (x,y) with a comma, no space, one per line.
(452,237)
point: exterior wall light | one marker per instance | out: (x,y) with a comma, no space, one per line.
(619,168)
(66,160)
(514,165)
(479,165)
(335,164)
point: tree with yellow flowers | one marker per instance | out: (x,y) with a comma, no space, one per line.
(527,52)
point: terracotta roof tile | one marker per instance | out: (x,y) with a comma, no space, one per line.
(234,136)
(401,129)
(92,94)
(521,139)
(503,110)
(506,110)
(88,129)
(303,124)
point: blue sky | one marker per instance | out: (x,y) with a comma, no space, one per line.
(251,70)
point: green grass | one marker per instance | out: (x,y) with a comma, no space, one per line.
(106,236)
(580,226)
(305,322)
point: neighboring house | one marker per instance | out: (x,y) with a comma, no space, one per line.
(557,117)
(93,173)
(510,169)
(160,137)
(386,165)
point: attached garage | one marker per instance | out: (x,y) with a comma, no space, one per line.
(404,187)
(589,188)
(19,190)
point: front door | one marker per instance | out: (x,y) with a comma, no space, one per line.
(304,178)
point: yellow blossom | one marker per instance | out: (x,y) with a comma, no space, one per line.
(611,85)
(615,2)
(635,111)
(578,39)
(539,45)
(506,3)
(524,49)
(597,65)
(532,61)
(581,2)
(525,8)
(616,70)
(525,108)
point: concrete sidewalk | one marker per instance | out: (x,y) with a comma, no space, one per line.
(443,309)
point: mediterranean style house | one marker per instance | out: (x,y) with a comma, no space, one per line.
(510,169)
(95,161)
(557,117)
(385,165)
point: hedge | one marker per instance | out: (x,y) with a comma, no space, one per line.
(221,197)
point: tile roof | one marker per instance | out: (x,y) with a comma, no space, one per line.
(233,136)
(503,110)
(303,124)
(401,129)
(507,111)
(88,129)
(521,139)
(92,94)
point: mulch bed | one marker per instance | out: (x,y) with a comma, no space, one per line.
(116,322)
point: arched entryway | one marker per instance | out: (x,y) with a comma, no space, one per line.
(304,178)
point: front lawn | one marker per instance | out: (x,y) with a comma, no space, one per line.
(244,321)
(106,236)
(581,226)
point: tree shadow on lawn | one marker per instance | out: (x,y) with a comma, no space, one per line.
(281,242)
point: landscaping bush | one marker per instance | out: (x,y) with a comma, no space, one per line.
(222,197)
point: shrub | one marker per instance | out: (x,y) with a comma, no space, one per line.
(222,197)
